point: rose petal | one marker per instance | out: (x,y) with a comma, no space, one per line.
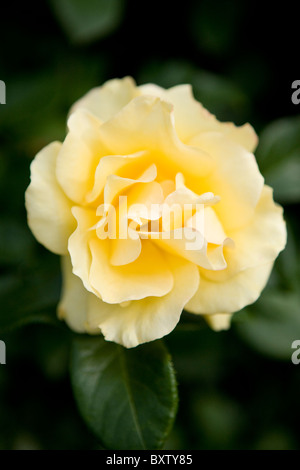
(125,251)
(78,245)
(181,203)
(232,294)
(147,123)
(74,300)
(259,242)
(219,321)
(148,319)
(208,224)
(191,118)
(79,156)
(107,100)
(81,122)
(48,209)
(153,90)
(190,245)
(115,184)
(148,275)
(236,179)
(144,201)
(116,164)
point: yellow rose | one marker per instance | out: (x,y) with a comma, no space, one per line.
(155,207)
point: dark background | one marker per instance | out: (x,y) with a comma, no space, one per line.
(238,389)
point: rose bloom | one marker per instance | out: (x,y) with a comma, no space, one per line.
(132,152)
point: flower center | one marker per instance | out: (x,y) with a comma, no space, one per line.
(166,213)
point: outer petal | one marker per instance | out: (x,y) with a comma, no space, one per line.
(232,294)
(48,209)
(219,321)
(79,156)
(258,243)
(81,121)
(148,319)
(191,118)
(79,244)
(109,99)
(153,90)
(74,301)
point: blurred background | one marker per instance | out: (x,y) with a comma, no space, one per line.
(238,389)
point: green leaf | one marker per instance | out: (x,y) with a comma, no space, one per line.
(272,324)
(278,155)
(88,20)
(128,397)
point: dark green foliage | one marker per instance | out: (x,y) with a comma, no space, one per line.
(127,396)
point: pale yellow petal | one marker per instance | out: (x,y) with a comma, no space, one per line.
(139,206)
(48,209)
(244,135)
(74,300)
(79,156)
(236,179)
(79,244)
(259,242)
(232,294)
(147,123)
(206,221)
(219,321)
(190,245)
(180,205)
(125,251)
(191,118)
(107,100)
(148,319)
(115,183)
(148,275)
(144,201)
(82,122)
(168,186)
(213,230)
(153,90)
(124,166)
